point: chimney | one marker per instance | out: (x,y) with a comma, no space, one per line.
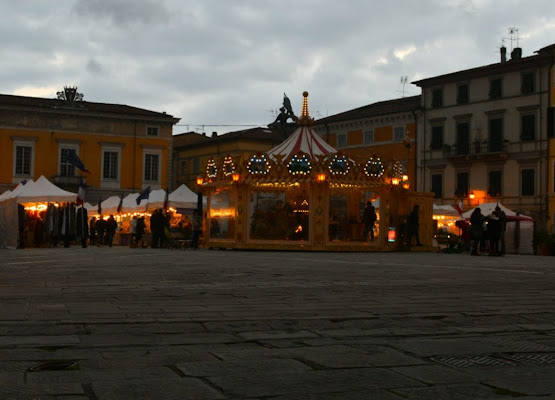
(503,51)
(214,134)
(516,54)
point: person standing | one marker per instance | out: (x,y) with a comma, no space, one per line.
(111,226)
(476,221)
(92,231)
(100,229)
(414,226)
(156,226)
(140,231)
(502,228)
(82,226)
(133,231)
(197,228)
(369,219)
(494,232)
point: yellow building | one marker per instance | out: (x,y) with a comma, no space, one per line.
(192,151)
(386,128)
(125,148)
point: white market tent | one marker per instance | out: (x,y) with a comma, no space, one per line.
(183,197)
(520,228)
(110,205)
(39,191)
(446,210)
(5,194)
(130,205)
(156,199)
(42,191)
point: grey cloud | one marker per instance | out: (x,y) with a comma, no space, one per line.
(124,12)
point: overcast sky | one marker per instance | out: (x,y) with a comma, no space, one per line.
(224,62)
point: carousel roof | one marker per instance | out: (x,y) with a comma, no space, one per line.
(303,139)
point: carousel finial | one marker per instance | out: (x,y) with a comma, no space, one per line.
(305,119)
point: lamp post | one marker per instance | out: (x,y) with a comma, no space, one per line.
(200,181)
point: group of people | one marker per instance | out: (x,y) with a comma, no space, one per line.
(102,231)
(487,233)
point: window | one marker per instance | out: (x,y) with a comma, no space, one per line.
(437,185)
(495,135)
(463,138)
(462,184)
(196,166)
(23,159)
(527,176)
(495,184)
(528,84)
(437,137)
(67,169)
(462,94)
(495,88)
(398,133)
(341,141)
(152,130)
(183,168)
(528,127)
(110,165)
(369,137)
(437,97)
(152,167)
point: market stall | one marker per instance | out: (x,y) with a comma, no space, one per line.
(305,195)
(35,214)
(519,232)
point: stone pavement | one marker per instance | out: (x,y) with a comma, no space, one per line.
(120,323)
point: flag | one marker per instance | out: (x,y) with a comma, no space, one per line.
(80,193)
(100,206)
(120,205)
(459,207)
(73,159)
(144,195)
(166,200)
(22,183)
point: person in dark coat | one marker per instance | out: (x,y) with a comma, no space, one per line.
(414,226)
(82,226)
(100,229)
(494,233)
(197,228)
(502,228)
(369,219)
(156,227)
(111,226)
(476,221)
(140,231)
(92,230)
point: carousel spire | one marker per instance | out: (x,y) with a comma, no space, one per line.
(304,119)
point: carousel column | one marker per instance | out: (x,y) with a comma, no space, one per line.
(319,212)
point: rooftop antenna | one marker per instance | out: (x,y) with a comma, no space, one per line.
(404,80)
(514,32)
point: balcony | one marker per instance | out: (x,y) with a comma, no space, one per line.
(484,151)
(70,183)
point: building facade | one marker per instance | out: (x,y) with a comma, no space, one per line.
(126,149)
(192,151)
(484,135)
(386,128)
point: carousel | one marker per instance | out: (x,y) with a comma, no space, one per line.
(305,195)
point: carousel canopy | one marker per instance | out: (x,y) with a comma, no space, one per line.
(41,191)
(488,208)
(303,139)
